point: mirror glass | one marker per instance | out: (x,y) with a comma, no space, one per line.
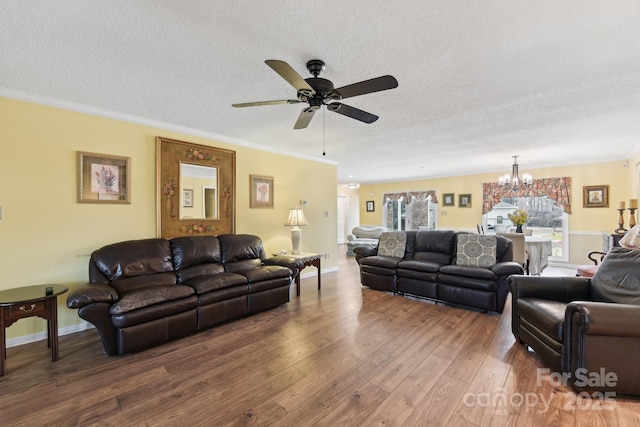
(198,192)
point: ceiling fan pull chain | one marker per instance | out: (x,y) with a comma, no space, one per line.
(324,140)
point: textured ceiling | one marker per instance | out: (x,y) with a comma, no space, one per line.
(556,82)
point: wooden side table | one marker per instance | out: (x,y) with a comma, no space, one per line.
(308,259)
(18,303)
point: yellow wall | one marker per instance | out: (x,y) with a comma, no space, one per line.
(586,224)
(46,236)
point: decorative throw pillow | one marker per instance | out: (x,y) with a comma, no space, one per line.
(476,249)
(392,244)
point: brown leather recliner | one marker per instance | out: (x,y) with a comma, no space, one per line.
(586,328)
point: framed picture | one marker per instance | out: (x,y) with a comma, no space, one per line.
(187,198)
(595,196)
(448,199)
(371,206)
(103,178)
(261,191)
(464,200)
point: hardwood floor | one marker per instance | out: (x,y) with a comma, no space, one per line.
(346,355)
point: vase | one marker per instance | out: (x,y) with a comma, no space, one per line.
(169,206)
(519,228)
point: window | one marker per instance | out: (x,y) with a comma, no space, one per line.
(546,219)
(418,214)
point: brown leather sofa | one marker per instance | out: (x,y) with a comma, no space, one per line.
(142,293)
(428,269)
(586,328)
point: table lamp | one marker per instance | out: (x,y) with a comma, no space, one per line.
(295,220)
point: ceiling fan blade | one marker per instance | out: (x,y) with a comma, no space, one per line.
(354,113)
(304,118)
(368,86)
(255,104)
(290,75)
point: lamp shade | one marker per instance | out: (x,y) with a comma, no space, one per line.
(296,218)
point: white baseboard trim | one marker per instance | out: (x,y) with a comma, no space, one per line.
(26,339)
(315,273)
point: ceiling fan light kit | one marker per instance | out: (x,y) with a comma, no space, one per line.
(317,91)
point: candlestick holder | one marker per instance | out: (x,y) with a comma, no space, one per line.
(632,218)
(621,228)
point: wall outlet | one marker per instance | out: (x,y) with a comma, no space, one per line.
(443,212)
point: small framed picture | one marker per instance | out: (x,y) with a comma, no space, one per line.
(371,206)
(261,191)
(464,200)
(595,196)
(448,199)
(187,198)
(103,178)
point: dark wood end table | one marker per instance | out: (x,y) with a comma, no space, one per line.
(18,303)
(308,259)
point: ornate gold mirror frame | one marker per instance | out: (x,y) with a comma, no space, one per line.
(174,213)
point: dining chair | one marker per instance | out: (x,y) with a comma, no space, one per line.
(480,228)
(519,249)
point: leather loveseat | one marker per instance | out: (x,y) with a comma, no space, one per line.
(429,268)
(142,293)
(585,327)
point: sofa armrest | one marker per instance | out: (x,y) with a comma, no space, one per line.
(602,337)
(365,251)
(507,268)
(604,318)
(284,261)
(294,264)
(562,289)
(351,237)
(91,293)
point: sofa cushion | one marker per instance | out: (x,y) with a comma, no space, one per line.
(424,266)
(215,282)
(476,249)
(435,246)
(617,278)
(195,250)
(264,273)
(133,264)
(392,244)
(148,296)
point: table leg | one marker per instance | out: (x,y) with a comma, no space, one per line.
(53,327)
(3,344)
(317,265)
(298,283)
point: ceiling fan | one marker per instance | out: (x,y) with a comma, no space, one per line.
(317,92)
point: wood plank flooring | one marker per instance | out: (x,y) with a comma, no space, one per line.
(345,356)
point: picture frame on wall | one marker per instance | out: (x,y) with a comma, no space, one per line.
(187,198)
(103,178)
(371,206)
(595,196)
(448,199)
(464,200)
(261,192)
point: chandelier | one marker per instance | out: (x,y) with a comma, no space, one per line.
(513,179)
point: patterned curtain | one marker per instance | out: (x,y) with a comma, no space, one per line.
(558,189)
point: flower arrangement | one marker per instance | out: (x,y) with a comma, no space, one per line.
(519,217)
(106,179)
